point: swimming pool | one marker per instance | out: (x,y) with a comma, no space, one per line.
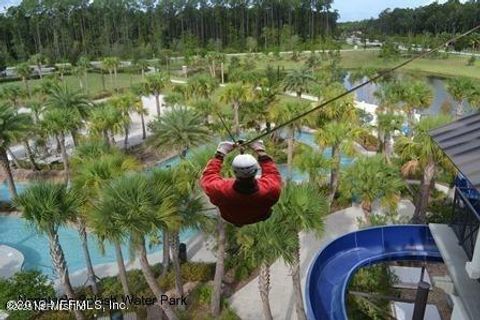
(5,194)
(19,234)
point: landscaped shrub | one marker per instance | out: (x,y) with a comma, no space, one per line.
(203,294)
(440,211)
(228,314)
(191,271)
(198,271)
(27,284)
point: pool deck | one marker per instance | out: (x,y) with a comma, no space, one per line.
(11,261)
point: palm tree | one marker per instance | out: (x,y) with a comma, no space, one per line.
(175,98)
(125,104)
(23,70)
(284,112)
(313,162)
(199,161)
(207,108)
(370,179)
(108,230)
(421,153)
(267,97)
(474,97)
(237,94)
(138,91)
(13,93)
(415,95)
(143,112)
(49,206)
(83,64)
(62,68)
(298,81)
(301,208)
(62,97)
(142,64)
(179,130)
(129,202)
(342,109)
(23,137)
(187,203)
(339,136)
(12,124)
(90,175)
(154,85)
(459,89)
(213,59)
(105,120)
(57,122)
(387,123)
(263,243)
(202,85)
(112,64)
(389,94)
(38,59)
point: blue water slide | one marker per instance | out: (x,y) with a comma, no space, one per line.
(333,267)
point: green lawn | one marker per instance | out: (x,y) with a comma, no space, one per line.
(453,66)
(95,86)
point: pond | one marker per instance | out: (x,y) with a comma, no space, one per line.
(439,90)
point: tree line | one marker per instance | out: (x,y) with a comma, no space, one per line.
(451,17)
(64,30)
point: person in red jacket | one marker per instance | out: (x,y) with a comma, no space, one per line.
(245,199)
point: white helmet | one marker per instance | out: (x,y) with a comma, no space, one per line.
(245,166)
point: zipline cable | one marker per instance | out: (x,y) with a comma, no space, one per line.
(226,128)
(378,76)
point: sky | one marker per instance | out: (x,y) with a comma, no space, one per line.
(350,10)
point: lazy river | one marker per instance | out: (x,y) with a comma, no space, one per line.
(19,234)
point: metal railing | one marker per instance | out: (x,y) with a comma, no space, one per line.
(466,220)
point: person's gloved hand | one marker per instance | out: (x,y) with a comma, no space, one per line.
(225,147)
(258,146)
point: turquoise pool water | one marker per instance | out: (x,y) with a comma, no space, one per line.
(5,195)
(19,234)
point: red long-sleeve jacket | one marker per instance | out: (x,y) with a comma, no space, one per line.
(238,204)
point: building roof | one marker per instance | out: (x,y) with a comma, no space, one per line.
(460,140)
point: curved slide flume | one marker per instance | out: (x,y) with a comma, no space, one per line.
(333,267)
